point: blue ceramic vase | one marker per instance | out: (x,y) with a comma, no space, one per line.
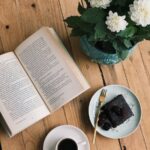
(99,56)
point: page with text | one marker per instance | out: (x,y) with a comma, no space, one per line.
(20,103)
(51,68)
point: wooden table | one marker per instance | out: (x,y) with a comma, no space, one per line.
(19,19)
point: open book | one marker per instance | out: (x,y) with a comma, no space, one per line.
(36,79)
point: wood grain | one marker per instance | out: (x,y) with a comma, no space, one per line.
(93,74)
(21,18)
(117,75)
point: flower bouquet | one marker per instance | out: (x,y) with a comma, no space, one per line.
(109,30)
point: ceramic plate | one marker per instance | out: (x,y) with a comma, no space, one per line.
(67,131)
(129,125)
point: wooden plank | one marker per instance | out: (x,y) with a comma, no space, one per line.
(93,75)
(16,143)
(29,20)
(137,77)
(19,19)
(51,15)
(71,111)
(10,36)
(32,18)
(145,53)
(10,29)
(142,85)
(1,46)
(124,74)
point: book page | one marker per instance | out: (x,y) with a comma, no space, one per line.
(20,103)
(54,73)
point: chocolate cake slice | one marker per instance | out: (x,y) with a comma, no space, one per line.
(104,121)
(114,113)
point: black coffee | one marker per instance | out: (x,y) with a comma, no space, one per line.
(67,144)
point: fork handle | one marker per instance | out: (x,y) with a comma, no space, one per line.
(97,118)
(94,137)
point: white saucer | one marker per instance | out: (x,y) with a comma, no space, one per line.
(65,131)
(128,126)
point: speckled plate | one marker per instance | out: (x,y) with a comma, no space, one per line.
(130,125)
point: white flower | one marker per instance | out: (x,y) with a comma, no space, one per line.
(116,23)
(100,3)
(140,12)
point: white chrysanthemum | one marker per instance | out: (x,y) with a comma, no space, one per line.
(116,23)
(100,3)
(140,12)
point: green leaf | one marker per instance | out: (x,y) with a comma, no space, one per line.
(119,45)
(77,32)
(128,32)
(81,9)
(121,3)
(78,23)
(91,38)
(122,54)
(141,37)
(147,28)
(93,15)
(111,36)
(121,50)
(142,33)
(100,30)
(127,43)
(73,21)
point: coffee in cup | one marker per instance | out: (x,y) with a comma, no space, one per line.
(66,144)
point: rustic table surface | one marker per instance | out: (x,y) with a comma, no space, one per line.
(19,19)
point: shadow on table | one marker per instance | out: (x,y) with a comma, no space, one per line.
(85,115)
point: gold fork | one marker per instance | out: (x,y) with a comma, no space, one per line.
(101,100)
